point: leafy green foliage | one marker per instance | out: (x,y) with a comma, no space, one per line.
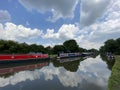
(15,47)
(112,46)
(58,48)
(8,46)
(71,46)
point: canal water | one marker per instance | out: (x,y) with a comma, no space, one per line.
(70,74)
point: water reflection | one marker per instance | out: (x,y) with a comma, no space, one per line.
(70,64)
(15,74)
(94,71)
(6,71)
(88,74)
(110,63)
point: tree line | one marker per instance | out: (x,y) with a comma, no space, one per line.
(112,46)
(9,46)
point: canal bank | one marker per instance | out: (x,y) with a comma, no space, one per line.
(114,80)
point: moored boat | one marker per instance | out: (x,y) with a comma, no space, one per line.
(22,57)
(67,55)
(76,54)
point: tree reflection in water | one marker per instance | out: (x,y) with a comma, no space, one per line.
(110,63)
(70,64)
(69,74)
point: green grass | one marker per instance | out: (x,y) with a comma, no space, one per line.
(53,56)
(114,80)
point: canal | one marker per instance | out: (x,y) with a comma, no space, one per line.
(70,74)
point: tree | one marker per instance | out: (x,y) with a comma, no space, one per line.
(40,48)
(82,49)
(102,49)
(93,50)
(71,46)
(49,50)
(110,45)
(58,48)
(118,46)
(35,48)
(23,48)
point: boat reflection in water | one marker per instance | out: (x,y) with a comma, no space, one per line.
(70,64)
(82,74)
(22,67)
(68,59)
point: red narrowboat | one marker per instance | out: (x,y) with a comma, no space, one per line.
(22,57)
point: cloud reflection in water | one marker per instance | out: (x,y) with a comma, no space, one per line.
(91,72)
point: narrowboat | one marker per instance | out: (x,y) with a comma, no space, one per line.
(22,57)
(76,54)
(68,55)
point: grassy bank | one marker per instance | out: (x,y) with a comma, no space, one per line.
(53,56)
(114,80)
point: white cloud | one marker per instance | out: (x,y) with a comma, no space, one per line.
(88,37)
(114,10)
(51,34)
(88,44)
(59,8)
(10,31)
(91,10)
(96,34)
(4,16)
(65,32)
(106,30)
(92,36)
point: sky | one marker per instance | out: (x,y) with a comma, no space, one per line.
(51,22)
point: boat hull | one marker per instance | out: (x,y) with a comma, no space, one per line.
(23,58)
(68,55)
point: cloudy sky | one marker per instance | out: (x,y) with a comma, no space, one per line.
(50,22)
